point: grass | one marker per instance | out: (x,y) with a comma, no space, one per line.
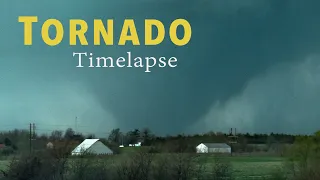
(127,150)
(4,164)
(241,159)
(242,166)
(255,168)
(247,165)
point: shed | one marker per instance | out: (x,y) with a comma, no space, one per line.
(92,146)
(50,145)
(213,148)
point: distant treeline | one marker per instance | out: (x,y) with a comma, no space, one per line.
(18,140)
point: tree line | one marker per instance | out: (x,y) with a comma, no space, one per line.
(18,140)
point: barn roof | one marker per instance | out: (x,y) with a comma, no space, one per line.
(216,145)
(86,144)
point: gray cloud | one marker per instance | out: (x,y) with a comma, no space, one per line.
(284,99)
(233,43)
(51,105)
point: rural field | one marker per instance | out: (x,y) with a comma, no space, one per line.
(3,164)
(249,167)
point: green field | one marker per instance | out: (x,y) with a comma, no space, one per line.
(4,164)
(252,166)
(242,166)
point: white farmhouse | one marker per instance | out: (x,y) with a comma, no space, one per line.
(213,148)
(50,145)
(92,146)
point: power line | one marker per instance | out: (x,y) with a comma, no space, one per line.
(87,132)
(42,127)
(39,130)
(63,125)
(24,124)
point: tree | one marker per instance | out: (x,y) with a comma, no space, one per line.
(43,137)
(305,157)
(115,136)
(136,134)
(91,136)
(7,142)
(69,134)
(317,136)
(56,135)
(146,136)
(270,141)
(132,137)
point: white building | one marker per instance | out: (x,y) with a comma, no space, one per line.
(92,146)
(135,145)
(213,148)
(50,145)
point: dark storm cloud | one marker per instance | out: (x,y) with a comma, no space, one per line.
(285,100)
(244,62)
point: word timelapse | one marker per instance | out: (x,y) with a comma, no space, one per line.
(121,62)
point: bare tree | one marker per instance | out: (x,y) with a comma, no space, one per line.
(91,136)
(136,167)
(69,134)
(56,135)
(146,136)
(115,136)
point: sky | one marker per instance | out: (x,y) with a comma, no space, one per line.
(251,65)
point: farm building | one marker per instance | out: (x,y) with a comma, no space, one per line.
(213,148)
(92,146)
(50,145)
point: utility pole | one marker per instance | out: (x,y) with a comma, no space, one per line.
(76,123)
(34,131)
(233,139)
(30,138)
